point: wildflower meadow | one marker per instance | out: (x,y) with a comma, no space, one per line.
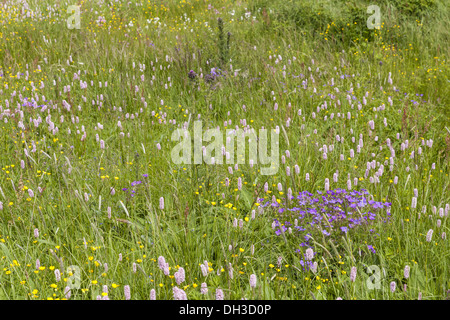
(224,150)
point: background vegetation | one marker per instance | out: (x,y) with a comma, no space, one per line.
(87,117)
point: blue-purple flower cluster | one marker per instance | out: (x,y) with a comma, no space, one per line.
(326,214)
(31,103)
(132,192)
(209,77)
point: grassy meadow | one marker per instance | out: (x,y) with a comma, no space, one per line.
(93,205)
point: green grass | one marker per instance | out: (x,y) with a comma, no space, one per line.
(196,223)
